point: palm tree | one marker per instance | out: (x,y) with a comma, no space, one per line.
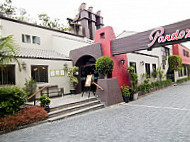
(7,51)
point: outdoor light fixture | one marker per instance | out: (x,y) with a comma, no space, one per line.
(122,61)
(23,65)
(65,65)
(142,62)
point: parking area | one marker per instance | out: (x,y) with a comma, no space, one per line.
(163,116)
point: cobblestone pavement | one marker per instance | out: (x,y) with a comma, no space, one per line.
(163,116)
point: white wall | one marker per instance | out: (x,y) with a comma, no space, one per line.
(141,68)
(61,81)
(49,40)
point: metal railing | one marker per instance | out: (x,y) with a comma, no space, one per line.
(34,95)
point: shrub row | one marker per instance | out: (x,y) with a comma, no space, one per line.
(25,116)
(183,80)
(11,98)
(146,87)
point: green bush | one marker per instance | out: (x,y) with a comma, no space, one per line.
(183,80)
(133,78)
(104,65)
(11,98)
(175,62)
(30,86)
(125,90)
(44,101)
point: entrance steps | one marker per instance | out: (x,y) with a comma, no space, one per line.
(74,108)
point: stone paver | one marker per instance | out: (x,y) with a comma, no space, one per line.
(163,116)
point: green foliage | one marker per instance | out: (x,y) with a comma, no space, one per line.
(25,116)
(71,74)
(6,9)
(175,62)
(125,90)
(11,98)
(44,101)
(183,80)
(133,78)
(160,73)
(46,21)
(146,87)
(104,65)
(7,51)
(154,73)
(30,86)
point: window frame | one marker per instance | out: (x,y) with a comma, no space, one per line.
(10,76)
(37,76)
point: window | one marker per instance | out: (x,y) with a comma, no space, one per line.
(39,73)
(26,38)
(7,74)
(153,66)
(36,40)
(133,64)
(180,73)
(185,70)
(147,68)
(102,35)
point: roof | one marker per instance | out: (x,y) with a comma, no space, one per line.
(41,54)
(38,26)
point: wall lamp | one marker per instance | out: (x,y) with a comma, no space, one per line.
(23,65)
(122,61)
(65,65)
(142,62)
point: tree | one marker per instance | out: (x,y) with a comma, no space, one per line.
(175,62)
(133,78)
(6,9)
(104,65)
(7,51)
(46,21)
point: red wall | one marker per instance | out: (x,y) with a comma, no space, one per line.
(178,50)
(119,71)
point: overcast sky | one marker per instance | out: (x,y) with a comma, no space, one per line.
(129,15)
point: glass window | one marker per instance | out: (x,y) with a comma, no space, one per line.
(147,68)
(153,66)
(36,40)
(39,73)
(7,74)
(133,64)
(26,38)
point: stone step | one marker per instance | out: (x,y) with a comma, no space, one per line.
(72,104)
(72,108)
(94,107)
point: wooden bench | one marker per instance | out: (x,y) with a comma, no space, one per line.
(53,91)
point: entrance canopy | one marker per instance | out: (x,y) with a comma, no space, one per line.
(167,35)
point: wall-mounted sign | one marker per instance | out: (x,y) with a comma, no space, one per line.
(57,73)
(158,35)
(52,73)
(62,72)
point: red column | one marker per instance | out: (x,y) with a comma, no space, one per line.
(104,36)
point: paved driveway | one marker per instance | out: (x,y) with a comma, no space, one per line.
(163,116)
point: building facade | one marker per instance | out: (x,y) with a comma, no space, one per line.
(42,53)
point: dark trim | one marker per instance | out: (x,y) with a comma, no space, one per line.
(43,58)
(37,26)
(145,54)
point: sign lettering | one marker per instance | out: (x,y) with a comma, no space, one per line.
(158,35)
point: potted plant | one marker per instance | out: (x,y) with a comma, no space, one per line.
(125,93)
(104,66)
(134,82)
(72,73)
(30,88)
(44,102)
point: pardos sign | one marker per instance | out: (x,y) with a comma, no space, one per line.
(157,35)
